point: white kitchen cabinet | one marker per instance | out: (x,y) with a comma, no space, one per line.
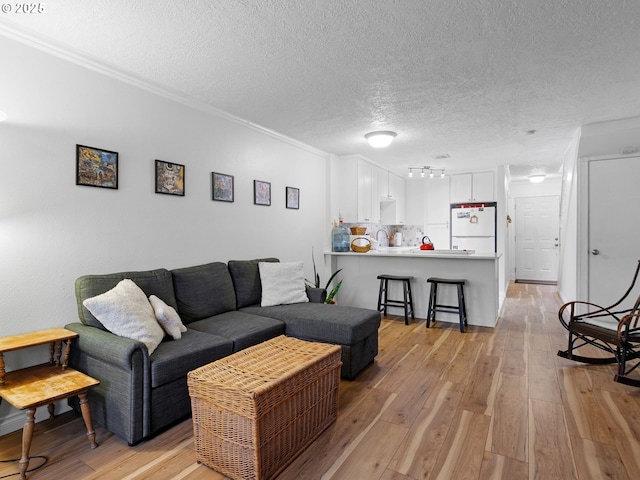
(358,190)
(392,198)
(473,187)
(397,192)
(368,200)
(347,191)
(368,193)
(383,183)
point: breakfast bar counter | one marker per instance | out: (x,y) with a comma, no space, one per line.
(360,284)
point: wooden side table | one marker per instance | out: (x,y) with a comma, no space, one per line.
(32,387)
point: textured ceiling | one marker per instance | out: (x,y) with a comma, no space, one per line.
(467,78)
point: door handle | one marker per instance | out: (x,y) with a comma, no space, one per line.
(595,251)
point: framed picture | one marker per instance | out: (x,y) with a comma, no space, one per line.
(261,193)
(96,167)
(222,187)
(293,197)
(169,178)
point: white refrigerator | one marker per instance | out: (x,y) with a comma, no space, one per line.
(473,227)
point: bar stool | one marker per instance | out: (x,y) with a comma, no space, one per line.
(434,306)
(406,303)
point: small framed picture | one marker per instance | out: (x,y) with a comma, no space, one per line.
(222,187)
(293,197)
(261,193)
(169,178)
(96,167)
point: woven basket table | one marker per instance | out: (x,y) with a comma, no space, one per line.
(256,410)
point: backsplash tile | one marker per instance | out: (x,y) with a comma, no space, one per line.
(411,234)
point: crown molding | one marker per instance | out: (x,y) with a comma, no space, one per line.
(35,40)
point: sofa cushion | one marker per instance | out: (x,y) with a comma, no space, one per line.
(203,291)
(168,318)
(282,283)
(244,329)
(126,311)
(246,280)
(173,359)
(323,323)
(152,282)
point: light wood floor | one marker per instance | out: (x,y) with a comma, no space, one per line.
(437,404)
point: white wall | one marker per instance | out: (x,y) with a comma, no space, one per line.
(568,269)
(52,231)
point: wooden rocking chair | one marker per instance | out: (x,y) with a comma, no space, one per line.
(615,332)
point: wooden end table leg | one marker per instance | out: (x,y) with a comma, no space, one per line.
(2,370)
(67,351)
(27,435)
(86,415)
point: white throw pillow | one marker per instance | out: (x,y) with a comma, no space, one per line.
(282,283)
(168,318)
(126,311)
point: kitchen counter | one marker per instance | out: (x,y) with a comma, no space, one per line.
(360,284)
(416,252)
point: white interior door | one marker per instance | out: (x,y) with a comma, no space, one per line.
(613,227)
(537,231)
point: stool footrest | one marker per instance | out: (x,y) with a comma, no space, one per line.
(393,302)
(445,308)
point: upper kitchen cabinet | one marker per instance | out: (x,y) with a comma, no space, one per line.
(473,187)
(392,198)
(397,192)
(368,202)
(359,195)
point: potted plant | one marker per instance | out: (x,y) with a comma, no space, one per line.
(316,292)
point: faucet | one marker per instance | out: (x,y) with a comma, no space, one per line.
(382,241)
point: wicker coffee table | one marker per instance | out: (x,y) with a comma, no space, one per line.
(256,410)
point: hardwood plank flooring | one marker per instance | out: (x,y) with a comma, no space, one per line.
(436,404)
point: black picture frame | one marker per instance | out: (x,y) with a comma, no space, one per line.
(262,193)
(96,167)
(222,187)
(293,197)
(170,178)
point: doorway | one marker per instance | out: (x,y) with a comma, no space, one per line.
(613,228)
(537,222)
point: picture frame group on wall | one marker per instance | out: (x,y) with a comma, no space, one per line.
(261,193)
(293,197)
(222,189)
(96,167)
(170,178)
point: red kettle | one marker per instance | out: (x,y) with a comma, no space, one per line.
(428,245)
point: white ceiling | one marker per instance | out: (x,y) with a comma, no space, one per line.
(466,78)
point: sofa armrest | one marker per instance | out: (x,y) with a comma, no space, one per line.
(122,400)
(106,346)
(316,295)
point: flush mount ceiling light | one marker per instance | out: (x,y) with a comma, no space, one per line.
(537,178)
(380,139)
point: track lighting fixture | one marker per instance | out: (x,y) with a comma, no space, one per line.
(424,169)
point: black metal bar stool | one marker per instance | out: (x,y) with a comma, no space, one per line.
(434,306)
(406,303)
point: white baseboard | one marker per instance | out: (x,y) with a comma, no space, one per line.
(15,419)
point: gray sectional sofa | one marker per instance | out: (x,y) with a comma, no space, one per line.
(141,394)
